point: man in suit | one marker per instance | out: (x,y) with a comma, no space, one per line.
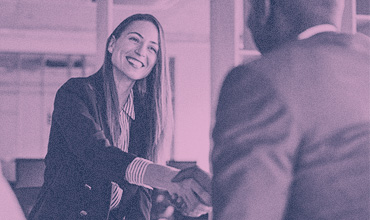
(292,132)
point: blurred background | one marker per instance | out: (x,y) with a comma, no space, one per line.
(43,43)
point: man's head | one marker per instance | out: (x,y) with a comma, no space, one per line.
(274,22)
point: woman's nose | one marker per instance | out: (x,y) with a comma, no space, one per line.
(140,50)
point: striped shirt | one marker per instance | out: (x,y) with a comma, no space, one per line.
(136,169)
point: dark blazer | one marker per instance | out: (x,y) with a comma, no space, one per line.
(81,163)
(292,133)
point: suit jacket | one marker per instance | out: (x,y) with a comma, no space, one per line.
(292,138)
(81,163)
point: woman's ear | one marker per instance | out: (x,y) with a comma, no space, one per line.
(111,43)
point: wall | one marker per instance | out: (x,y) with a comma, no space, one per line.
(48,26)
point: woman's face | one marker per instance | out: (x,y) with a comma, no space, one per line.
(134,53)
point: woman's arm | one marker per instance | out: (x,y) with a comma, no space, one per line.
(75,112)
(76,115)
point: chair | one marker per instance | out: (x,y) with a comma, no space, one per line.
(29,179)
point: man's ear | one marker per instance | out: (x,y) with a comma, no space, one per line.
(265,10)
(259,13)
(111,43)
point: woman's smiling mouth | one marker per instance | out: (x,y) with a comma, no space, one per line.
(134,62)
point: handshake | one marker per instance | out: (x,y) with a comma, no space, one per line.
(189,189)
(191,192)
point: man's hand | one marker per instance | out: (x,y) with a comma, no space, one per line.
(194,195)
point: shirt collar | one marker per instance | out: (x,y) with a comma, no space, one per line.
(128,107)
(317,29)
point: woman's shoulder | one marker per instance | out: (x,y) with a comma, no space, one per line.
(75,85)
(83,87)
(80,84)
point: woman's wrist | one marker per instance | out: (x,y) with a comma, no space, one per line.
(135,171)
(159,176)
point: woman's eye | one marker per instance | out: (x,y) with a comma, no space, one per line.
(153,49)
(135,39)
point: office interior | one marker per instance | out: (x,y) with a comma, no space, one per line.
(43,43)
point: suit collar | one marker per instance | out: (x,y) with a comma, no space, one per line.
(317,29)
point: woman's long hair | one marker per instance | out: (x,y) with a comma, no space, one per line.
(152,98)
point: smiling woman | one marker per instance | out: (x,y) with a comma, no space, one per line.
(106,132)
(134,53)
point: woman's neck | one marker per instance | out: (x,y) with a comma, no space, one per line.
(123,85)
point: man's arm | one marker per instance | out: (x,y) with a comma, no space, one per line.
(254,140)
